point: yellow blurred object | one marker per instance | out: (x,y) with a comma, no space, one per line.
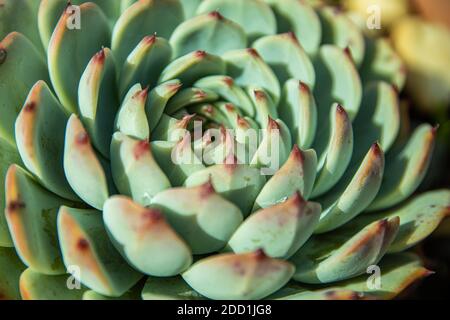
(425,49)
(390,10)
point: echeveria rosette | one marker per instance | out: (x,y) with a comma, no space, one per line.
(93,118)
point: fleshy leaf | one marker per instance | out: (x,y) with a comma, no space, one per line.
(31,215)
(143,18)
(134,169)
(238,183)
(406,168)
(38,286)
(247,68)
(354,192)
(145,63)
(280,230)
(98,101)
(297,174)
(88,176)
(284,54)
(398,272)
(174,288)
(298,110)
(300,18)
(225,87)
(11,268)
(177,159)
(337,80)
(40,129)
(202,217)
(264,105)
(190,96)
(193,66)
(8,155)
(248,276)
(339,30)
(172,129)
(256,17)
(344,253)
(131,118)
(210,32)
(141,234)
(85,244)
(334,152)
(21,65)
(70,50)
(381,62)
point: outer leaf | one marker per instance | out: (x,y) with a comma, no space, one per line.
(210,32)
(354,192)
(37,286)
(203,218)
(40,129)
(21,65)
(11,268)
(88,177)
(344,254)
(406,168)
(145,239)
(70,50)
(398,272)
(31,216)
(254,16)
(143,18)
(238,276)
(174,288)
(85,243)
(280,230)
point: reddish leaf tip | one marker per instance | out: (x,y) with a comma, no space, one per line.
(13,206)
(200,54)
(30,106)
(207,188)
(152,215)
(376,149)
(141,148)
(228,81)
(259,94)
(272,124)
(304,87)
(149,40)
(253,52)
(216,15)
(259,254)
(82,244)
(82,138)
(100,56)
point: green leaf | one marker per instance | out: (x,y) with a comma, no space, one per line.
(255,17)
(297,174)
(38,286)
(141,234)
(248,276)
(86,173)
(344,253)
(190,96)
(406,168)
(21,65)
(134,169)
(40,128)
(85,244)
(300,18)
(298,110)
(247,68)
(174,288)
(70,50)
(31,215)
(144,18)
(145,63)
(10,269)
(210,32)
(284,54)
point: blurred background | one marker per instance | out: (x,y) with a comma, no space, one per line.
(420,32)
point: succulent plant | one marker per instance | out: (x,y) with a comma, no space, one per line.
(93,118)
